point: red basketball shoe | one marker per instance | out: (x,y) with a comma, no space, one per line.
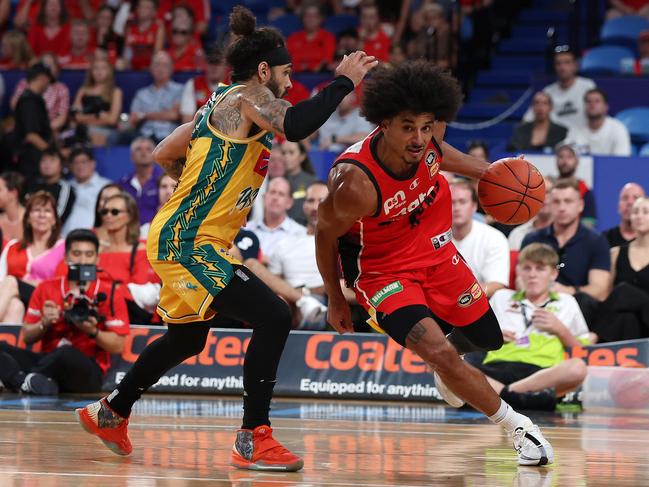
(258,450)
(100,420)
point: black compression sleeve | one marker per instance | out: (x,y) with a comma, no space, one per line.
(308,116)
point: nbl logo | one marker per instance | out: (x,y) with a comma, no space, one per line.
(432,163)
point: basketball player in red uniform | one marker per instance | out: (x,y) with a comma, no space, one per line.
(388,215)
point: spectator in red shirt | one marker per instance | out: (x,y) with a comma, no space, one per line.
(51,31)
(26,13)
(628,7)
(107,42)
(199,89)
(185,51)
(75,346)
(200,10)
(145,36)
(15,51)
(312,48)
(375,42)
(81,52)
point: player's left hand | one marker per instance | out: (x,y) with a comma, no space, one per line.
(546,321)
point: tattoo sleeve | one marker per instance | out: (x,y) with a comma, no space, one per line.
(271,109)
(226,117)
(416,333)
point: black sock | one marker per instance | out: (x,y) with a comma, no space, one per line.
(544,400)
(256,404)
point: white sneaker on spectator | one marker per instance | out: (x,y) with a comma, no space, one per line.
(313,311)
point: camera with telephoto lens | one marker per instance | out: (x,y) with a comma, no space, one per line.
(81,307)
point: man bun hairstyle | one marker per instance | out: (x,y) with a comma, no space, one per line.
(253,45)
(417,87)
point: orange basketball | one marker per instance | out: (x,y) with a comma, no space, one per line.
(512,191)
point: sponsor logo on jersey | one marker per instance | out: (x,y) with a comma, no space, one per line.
(470,296)
(455,260)
(392,288)
(261,166)
(414,184)
(432,163)
(398,202)
(442,239)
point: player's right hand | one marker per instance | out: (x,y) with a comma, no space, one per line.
(339,316)
(355,66)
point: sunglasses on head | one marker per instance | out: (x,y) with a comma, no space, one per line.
(112,211)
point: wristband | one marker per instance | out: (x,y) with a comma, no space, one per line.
(94,335)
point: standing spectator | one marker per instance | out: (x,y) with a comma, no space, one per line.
(87,184)
(435,41)
(627,7)
(145,37)
(109,43)
(276,223)
(26,262)
(624,232)
(543,219)
(13,212)
(312,48)
(98,103)
(541,134)
(56,96)
(375,42)
(198,90)
(567,92)
(51,32)
(485,249)
(155,110)
(15,51)
(603,135)
(584,260)
(142,184)
(299,174)
(567,162)
(51,180)
(75,354)
(81,51)
(32,129)
(345,127)
(185,50)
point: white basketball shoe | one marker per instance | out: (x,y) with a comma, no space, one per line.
(448,395)
(531,446)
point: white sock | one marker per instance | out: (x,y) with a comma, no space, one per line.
(508,418)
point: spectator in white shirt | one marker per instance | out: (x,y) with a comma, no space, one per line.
(567,92)
(87,184)
(484,248)
(345,127)
(603,135)
(276,223)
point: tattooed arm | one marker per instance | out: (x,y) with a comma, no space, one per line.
(170,152)
(260,105)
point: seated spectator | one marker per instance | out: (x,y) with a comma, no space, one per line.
(144,37)
(108,43)
(567,164)
(397,55)
(50,179)
(26,262)
(312,48)
(32,129)
(296,93)
(345,127)
(293,271)
(484,248)
(625,313)
(26,13)
(185,50)
(641,65)
(603,135)
(375,42)
(300,175)
(435,41)
(86,183)
(567,92)
(624,233)
(81,51)
(543,219)
(84,10)
(347,41)
(585,263)
(276,169)
(51,31)
(75,350)
(538,324)
(155,110)
(15,51)
(13,212)
(98,103)
(142,184)
(108,190)
(197,91)
(199,9)
(276,223)
(56,96)
(166,187)
(541,134)
(627,7)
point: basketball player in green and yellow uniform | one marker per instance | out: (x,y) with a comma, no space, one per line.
(220,160)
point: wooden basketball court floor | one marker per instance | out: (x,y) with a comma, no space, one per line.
(185,441)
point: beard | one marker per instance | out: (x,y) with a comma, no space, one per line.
(273,86)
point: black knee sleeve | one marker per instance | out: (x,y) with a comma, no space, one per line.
(399,323)
(482,335)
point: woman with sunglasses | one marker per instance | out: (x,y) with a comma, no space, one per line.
(185,50)
(26,262)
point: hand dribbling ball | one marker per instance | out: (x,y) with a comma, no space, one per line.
(512,191)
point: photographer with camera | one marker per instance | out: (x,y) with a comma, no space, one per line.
(79,319)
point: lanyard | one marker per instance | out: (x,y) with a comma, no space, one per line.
(526,320)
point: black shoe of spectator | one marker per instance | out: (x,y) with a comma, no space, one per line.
(544,400)
(39,385)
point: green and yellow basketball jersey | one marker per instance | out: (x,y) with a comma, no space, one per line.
(218,186)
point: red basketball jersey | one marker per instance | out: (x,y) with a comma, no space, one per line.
(411,228)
